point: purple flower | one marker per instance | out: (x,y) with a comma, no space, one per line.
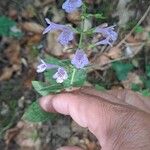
(80,59)
(43,66)
(65,36)
(60,75)
(110,36)
(71,5)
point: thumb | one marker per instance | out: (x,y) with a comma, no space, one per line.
(88,111)
(69,148)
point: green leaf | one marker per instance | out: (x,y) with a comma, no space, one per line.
(147,84)
(53,60)
(148,70)
(44,89)
(135,87)
(34,113)
(78,79)
(48,74)
(138,29)
(99,88)
(122,69)
(9,28)
(145,92)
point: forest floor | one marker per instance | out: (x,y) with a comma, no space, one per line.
(21,48)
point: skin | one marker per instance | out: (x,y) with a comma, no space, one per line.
(120,119)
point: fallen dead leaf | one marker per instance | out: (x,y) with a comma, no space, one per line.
(12,133)
(53,46)
(27,138)
(132,78)
(32,27)
(101,60)
(74,17)
(114,53)
(7,73)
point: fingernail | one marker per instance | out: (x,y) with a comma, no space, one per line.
(45,102)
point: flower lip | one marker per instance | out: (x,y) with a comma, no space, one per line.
(60,75)
(80,59)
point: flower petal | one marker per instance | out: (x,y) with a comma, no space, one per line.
(71,5)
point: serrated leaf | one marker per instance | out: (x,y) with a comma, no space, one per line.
(122,69)
(44,89)
(34,113)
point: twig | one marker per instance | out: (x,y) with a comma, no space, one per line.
(139,22)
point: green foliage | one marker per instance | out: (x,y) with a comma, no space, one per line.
(145,92)
(135,87)
(138,29)
(44,89)
(122,69)
(148,70)
(100,88)
(9,28)
(78,79)
(35,114)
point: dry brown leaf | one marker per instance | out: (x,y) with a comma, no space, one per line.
(114,53)
(131,39)
(29,77)
(53,46)
(32,27)
(33,39)
(74,17)
(25,138)
(13,53)
(101,60)
(6,73)
(132,78)
(12,133)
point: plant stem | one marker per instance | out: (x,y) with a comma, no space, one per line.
(82,26)
(73,74)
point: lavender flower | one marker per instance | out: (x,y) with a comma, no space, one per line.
(108,33)
(71,5)
(43,66)
(80,59)
(66,35)
(60,75)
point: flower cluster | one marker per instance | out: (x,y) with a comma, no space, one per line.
(65,36)
(80,59)
(110,36)
(71,5)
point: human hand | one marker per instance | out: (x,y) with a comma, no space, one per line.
(120,119)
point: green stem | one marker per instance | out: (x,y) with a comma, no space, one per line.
(73,75)
(82,26)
